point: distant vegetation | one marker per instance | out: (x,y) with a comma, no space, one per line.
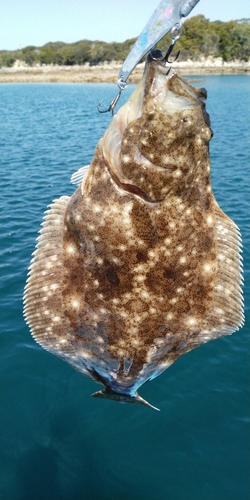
(199,37)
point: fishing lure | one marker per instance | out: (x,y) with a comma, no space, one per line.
(166,18)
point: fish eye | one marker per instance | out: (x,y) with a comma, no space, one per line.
(185,120)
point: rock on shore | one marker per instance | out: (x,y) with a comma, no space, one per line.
(107,72)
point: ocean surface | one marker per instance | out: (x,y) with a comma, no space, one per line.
(58,443)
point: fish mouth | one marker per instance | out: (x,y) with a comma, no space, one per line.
(161,89)
(108,393)
(164,113)
(167,91)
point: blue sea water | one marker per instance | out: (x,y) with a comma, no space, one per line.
(58,443)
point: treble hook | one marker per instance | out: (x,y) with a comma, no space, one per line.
(121,85)
(156,55)
(166,57)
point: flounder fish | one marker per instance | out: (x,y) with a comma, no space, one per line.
(139,265)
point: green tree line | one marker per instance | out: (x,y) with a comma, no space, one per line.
(199,37)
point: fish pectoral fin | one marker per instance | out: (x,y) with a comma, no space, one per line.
(122,398)
(77,177)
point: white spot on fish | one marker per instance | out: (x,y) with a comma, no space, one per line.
(177,173)
(70,249)
(167,241)
(207,268)
(126,158)
(140,277)
(54,286)
(97,209)
(191,321)
(173,300)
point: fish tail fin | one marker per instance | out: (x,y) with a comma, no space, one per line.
(122,398)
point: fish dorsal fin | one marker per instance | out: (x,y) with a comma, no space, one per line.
(42,294)
(226,313)
(78,176)
(43,308)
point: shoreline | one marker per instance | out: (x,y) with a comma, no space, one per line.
(108,73)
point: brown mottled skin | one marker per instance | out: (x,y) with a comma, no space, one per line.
(139,274)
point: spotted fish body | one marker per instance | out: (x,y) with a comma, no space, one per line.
(140,265)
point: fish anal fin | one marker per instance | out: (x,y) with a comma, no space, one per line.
(226,313)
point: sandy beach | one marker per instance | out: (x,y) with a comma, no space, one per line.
(107,72)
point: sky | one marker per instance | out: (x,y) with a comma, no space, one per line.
(36,22)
